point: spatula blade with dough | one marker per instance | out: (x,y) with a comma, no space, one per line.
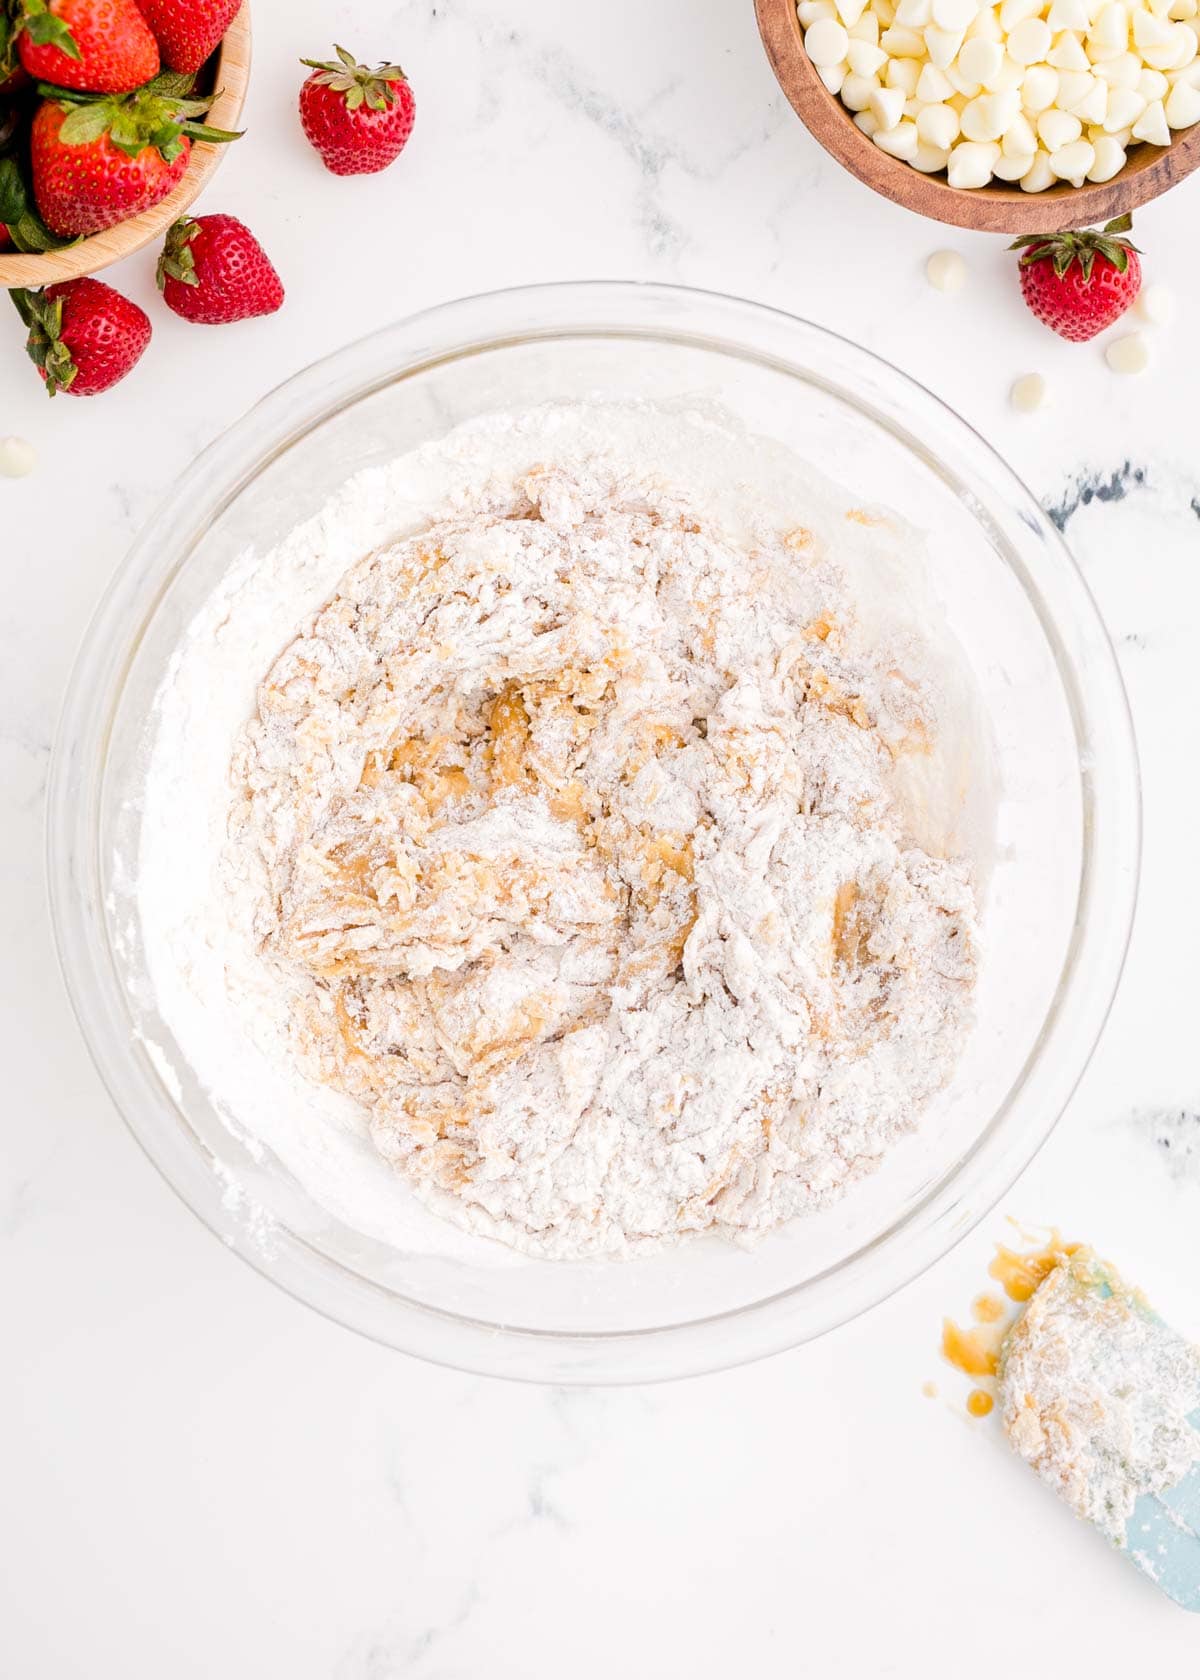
(1103,1400)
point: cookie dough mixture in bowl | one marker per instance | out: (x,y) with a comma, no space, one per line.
(579,861)
(572,839)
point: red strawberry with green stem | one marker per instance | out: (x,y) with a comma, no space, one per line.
(213,270)
(97,160)
(188,31)
(1078,283)
(83,336)
(358,119)
(94,46)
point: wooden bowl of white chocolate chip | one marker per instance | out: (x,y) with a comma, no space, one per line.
(1023,116)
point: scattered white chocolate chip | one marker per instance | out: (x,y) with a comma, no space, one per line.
(1156,304)
(946,271)
(1130,354)
(18,457)
(1028,393)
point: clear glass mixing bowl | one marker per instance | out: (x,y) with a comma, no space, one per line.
(1059,904)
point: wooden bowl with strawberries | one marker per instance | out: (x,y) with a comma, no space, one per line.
(224,81)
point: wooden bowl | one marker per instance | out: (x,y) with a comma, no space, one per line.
(231,78)
(999,208)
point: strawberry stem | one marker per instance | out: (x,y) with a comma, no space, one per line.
(158,114)
(1080,245)
(44,346)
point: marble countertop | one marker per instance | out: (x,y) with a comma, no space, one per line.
(204,1478)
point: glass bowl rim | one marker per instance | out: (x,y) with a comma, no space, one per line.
(948,1209)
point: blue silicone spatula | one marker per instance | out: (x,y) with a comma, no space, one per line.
(1103,1399)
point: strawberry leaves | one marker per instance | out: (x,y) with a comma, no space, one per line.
(359,85)
(43,317)
(177,261)
(159,114)
(36,20)
(1082,246)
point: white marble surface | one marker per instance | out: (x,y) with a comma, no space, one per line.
(203,1478)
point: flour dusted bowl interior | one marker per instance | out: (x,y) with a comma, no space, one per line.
(1057,848)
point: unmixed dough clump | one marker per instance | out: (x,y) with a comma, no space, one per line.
(575,846)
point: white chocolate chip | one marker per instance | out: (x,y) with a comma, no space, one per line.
(1068,14)
(930,159)
(1071,163)
(18,457)
(1156,304)
(938,125)
(971,163)
(826,42)
(1058,128)
(886,105)
(1182,107)
(1111,28)
(857,91)
(899,142)
(1040,175)
(1067,54)
(1128,355)
(865,121)
(980,60)
(1123,71)
(933,85)
(808,11)
(1019,138)
(954,14)
(1028,393)
(1029,42)
(1039,89)
(914,14)
(833,76)
(1013,12)
(850,11)
(1125,106)
(942,45)
(1152,125)
(1109,159)
(1094,106)
(1074,86)
(1010,166)
(902,43)
(946,271)
(985,27)
(865,59)
(903,73)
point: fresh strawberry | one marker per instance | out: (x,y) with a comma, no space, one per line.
(5,241)
(83,336)
(188,30)
(358,119)
(97,161)
(213,270)
(1080,283)
(95,46)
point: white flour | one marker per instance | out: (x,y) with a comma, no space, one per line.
(1097,1394)
(573,850)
